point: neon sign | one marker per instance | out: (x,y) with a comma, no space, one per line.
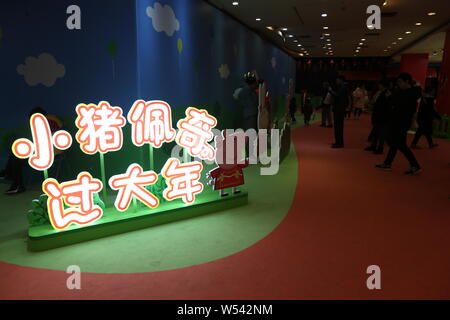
(99,127)
(100,131)
(39,152)
(131,184)
(151,123)
(79,195)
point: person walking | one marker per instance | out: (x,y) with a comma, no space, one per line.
(404,105)
(248,99)
(341,102)
(380,118)
(307,109)
(326,106)
(293,108)
(360,98)
(425,117)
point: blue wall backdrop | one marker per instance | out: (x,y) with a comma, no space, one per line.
(182,51)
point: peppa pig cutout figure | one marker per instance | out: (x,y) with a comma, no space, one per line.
(229,158)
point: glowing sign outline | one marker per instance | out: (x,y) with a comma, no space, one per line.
(81,129)
(34,148)
(65,198)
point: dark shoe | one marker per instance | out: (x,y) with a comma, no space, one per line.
(383,166)
(224,195)
(237,192)
(15,190)
(434,146)
(337,146)
(378,151)
(413,171)
(369,148)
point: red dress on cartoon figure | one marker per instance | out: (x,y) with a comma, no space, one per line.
(229,173)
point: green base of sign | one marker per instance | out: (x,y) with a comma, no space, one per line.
(44,237)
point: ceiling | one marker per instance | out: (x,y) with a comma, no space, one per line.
(346,22)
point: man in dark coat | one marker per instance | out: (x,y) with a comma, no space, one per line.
(341,102)
(404,105)
(425,118)
(380,118)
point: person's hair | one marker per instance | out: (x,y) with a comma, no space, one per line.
(429,90)
(250,78)
(38,110)
(406,77)
(385,83)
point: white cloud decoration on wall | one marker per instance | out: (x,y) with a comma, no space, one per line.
(163,19)
(274,62)
(41,70)
(224,71)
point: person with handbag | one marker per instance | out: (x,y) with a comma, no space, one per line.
(404,105)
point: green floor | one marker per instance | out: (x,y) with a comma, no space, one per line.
(170,246)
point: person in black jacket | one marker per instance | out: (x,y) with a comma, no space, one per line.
(307,109)
(380,117)
(293,108)
(341,102)
(404,105)
(425,118)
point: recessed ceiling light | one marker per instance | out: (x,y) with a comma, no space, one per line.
(326,34)
(295,40)
(361,43)
(299,45)
(284,29)
(258,19)
(363,39)
(385,3)
(431,13)
(325,28)
(328,40)
(418,23)
(408,32)
(235,3)
(400,38)
(290,36)
(358,48)
(385,50)
(394,42)
(389,47)
(324,15)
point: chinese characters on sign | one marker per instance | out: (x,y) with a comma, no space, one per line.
(99,127)
(39,152)
(100,131)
